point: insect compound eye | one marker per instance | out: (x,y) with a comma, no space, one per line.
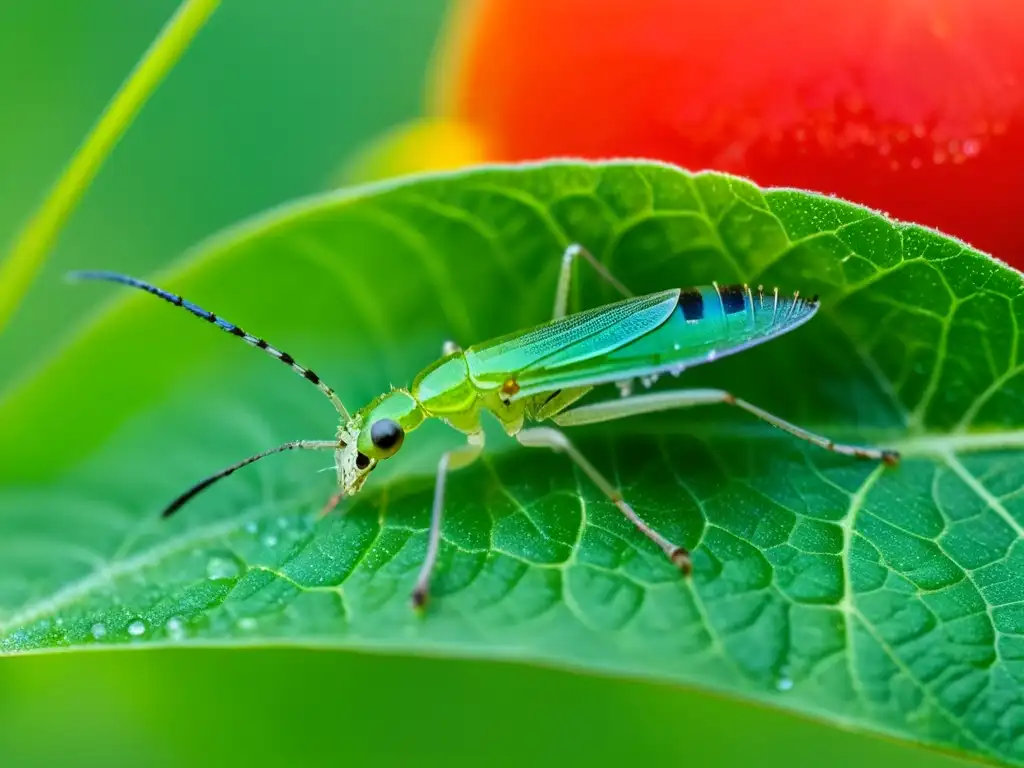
(362,461)
(386,435)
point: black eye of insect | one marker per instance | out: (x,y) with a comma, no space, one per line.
(386,435)
(362,461)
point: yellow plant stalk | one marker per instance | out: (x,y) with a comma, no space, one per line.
(33,243)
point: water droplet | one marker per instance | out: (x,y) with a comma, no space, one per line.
(59,622)
(784,684)
(221,568)
(137,628)
(175,628)
(15,641)
(248,624)
(99,631)
(625,387)
(270,540)
(282,522)
(251,526)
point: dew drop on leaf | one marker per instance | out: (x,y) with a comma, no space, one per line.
(175,628)
(221,568)
(137,628)
(99,631)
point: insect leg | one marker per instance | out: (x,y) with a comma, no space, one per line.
(545,437)
(565,277)
(687,398)
(454,459)
(332,504)
(556,402)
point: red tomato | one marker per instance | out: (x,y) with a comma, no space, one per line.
(914,107)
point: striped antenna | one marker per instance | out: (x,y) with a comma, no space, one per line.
(202,485)
(221,323)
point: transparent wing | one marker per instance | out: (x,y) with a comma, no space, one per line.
(705,324)
(573,338)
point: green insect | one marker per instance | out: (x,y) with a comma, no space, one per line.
(537,375)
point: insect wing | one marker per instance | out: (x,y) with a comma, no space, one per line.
(574,338)
(706,324)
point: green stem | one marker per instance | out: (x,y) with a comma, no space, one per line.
(35,240)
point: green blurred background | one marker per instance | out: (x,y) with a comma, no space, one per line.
(268,105)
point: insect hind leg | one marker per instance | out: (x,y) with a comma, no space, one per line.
(565,277)
(547,405)
(687,398)
(546,437)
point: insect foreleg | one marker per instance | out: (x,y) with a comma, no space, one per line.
(565,277)
(454,459)
(688,398)
(545,437)
(332,504)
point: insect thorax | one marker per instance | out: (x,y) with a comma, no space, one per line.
(445,390)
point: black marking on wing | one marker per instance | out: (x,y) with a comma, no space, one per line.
(692,303)
(733,298)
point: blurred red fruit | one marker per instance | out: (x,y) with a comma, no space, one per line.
(915,107)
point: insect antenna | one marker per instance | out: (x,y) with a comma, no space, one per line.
(221,323)
(202,485)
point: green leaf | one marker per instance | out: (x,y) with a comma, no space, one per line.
(888,600)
